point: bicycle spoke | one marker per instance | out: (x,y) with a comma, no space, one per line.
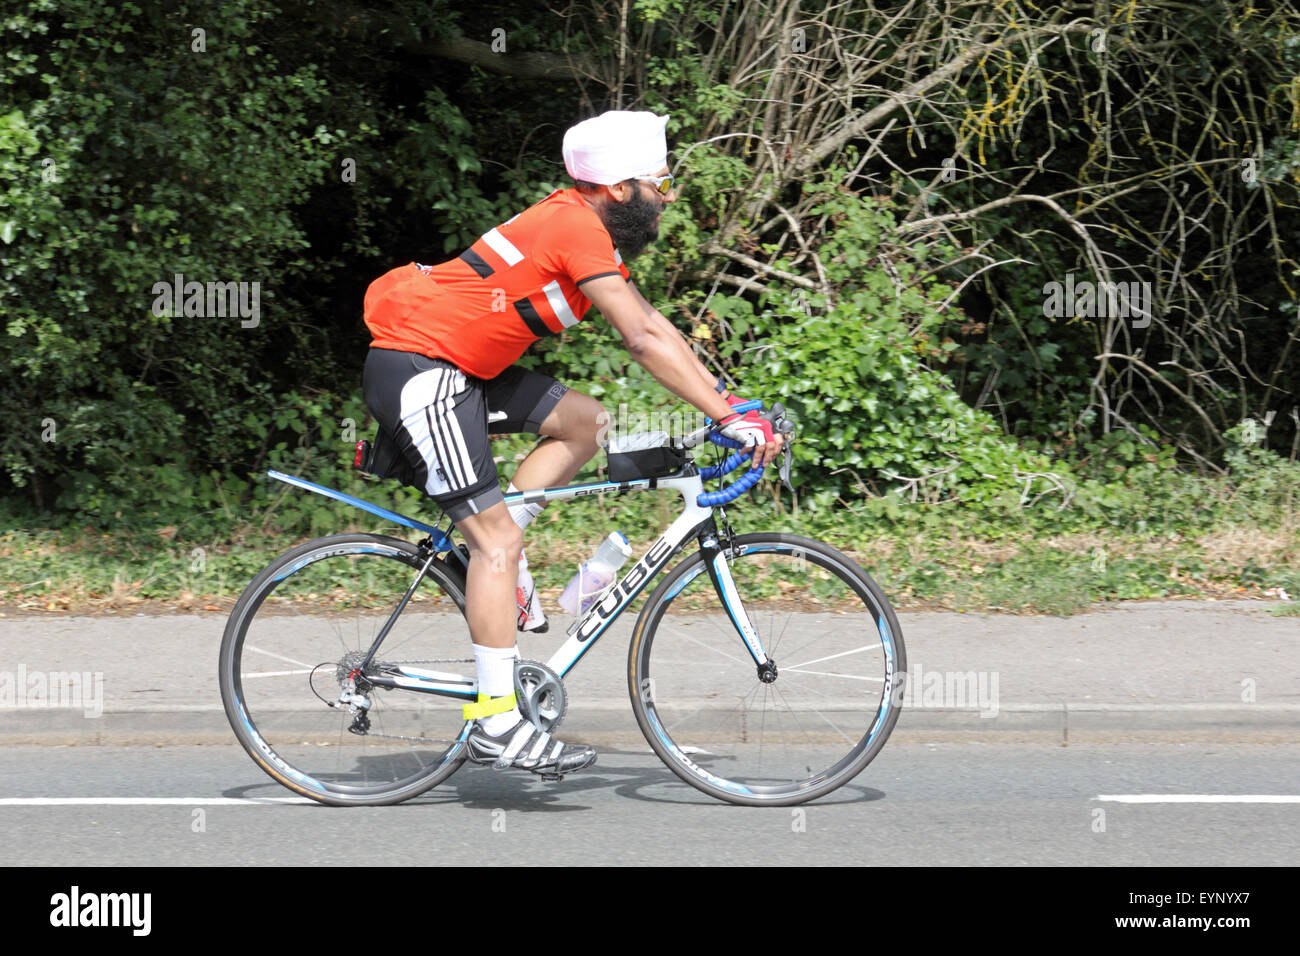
(831,657)
(784,627)
(281,657)
(707,647)
(800,670)
(820,635)
(828,721)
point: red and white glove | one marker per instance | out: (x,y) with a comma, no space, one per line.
(748,429)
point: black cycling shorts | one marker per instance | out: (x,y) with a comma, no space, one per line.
(440,418)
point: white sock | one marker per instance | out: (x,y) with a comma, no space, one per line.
(523,514)
(496,678)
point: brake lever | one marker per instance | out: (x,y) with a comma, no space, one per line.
(785,467)
(785,428)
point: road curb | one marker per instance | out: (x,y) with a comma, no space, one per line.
(161,724)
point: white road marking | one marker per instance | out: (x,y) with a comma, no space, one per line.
(1200,797)
(146,801)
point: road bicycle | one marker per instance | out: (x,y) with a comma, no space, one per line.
(764,669)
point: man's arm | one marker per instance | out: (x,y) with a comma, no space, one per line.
(655,344)
(669,329)
(658,347)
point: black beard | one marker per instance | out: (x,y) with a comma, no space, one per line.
(632,224)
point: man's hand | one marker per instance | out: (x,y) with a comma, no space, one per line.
(751,430)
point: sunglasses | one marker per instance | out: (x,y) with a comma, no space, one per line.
(662,184)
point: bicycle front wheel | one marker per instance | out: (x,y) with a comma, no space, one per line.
(772,739)
(299,633)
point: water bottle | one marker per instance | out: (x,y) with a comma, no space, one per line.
(595,575)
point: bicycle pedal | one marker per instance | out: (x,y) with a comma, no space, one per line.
(551,777)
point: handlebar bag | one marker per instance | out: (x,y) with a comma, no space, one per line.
(643,455)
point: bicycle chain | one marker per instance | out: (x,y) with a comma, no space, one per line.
(422,740)
(419,740)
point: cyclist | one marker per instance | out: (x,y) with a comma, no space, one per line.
(439,377)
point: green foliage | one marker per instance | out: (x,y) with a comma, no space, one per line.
(438,163)
(127,157)
(109,180)
(858,375)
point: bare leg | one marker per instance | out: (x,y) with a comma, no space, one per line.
(494,543)
(571,429)
(493,537)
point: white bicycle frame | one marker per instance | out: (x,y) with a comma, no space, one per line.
(587,628)
(610,604)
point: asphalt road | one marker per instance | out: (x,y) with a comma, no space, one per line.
(918,804)
(1150,733)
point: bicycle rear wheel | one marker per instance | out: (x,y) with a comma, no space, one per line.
(299,631)
(838,650)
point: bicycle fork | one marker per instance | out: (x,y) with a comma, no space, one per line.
(715,562)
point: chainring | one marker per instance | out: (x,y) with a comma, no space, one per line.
(540,694)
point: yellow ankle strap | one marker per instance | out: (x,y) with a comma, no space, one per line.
(487,706)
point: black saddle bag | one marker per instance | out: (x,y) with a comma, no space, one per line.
(382,458)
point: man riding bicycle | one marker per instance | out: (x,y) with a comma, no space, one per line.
(439,376)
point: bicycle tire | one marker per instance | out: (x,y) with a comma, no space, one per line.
(310,609)
(695,710)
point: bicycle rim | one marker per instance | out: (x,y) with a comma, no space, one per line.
(297,634)
(838,652)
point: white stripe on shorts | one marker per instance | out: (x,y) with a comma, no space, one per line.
(455,452)
(427,413)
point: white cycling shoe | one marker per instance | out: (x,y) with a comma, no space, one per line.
(527,747)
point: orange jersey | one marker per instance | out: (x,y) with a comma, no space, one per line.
(517,283)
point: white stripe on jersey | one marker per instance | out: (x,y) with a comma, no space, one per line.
(559,305)
(502,246)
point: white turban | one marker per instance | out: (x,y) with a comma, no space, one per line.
(615,146)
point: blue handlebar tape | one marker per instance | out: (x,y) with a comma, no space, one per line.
(744,482)
(730,465)
(732,492)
